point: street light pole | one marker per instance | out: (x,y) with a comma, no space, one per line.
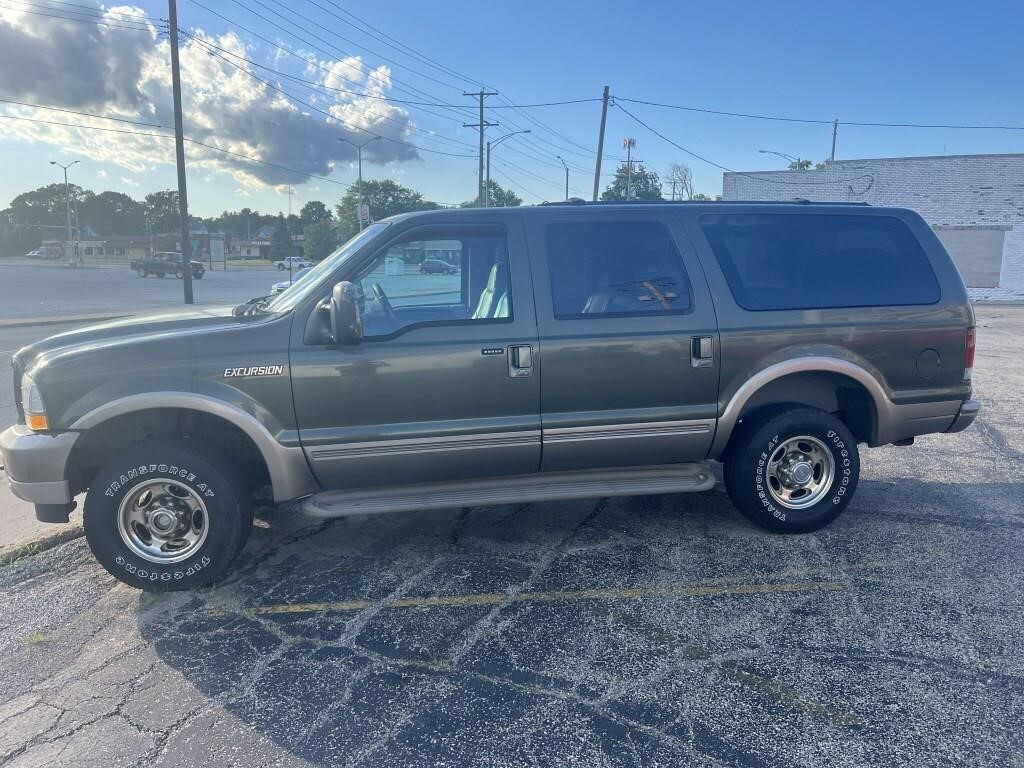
(629,144)
(490,146)
(566,176)
(780,154)
(359,178)
(67,194)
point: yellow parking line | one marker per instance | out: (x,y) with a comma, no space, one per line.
(495,598)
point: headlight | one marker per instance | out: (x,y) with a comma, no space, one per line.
(32,403)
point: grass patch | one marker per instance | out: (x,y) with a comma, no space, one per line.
(37,638)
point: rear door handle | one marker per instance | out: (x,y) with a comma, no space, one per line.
(702,351)
(520,360)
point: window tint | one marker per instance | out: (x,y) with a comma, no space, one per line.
(780,261)
(445,278)
(614,268)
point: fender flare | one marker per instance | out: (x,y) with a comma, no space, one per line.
(290,476)
(813,364)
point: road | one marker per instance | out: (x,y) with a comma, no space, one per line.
(639,631)
(48,291)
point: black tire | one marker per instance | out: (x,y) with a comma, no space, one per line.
(160,274)
(280,267)
(750,474)
(198,275)
(142,271)
(178,273)
(227,514)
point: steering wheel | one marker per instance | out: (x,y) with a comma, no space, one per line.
(383,301)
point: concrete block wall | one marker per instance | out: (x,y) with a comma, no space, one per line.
(948,191)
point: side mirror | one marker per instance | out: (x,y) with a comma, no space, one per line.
(346,321)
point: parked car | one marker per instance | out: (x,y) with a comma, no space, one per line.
(437,266)
(284,285)
(166,263)
(627,347)
(296,262)
(36,254)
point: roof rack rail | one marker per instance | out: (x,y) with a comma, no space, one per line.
(792,201)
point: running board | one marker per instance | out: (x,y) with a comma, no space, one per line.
(544,486)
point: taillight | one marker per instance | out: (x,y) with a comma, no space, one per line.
(969,356)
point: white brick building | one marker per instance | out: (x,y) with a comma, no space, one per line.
(974,202)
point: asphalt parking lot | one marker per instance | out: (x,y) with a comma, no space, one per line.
(29,291)
(638,631)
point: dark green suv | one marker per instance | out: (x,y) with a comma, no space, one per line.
(577,350)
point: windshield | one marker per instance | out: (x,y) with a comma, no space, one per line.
(294,295)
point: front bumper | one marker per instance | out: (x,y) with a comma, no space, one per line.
(36,462)
(969,411)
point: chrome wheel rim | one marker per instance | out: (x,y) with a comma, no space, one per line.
(800,472)
(162,521)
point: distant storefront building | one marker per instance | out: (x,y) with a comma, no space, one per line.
(975,203)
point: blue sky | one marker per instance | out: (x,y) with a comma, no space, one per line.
(864,61)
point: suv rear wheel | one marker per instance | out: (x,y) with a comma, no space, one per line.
(794,471)
(166,516)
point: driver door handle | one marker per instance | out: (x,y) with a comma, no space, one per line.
(520,360)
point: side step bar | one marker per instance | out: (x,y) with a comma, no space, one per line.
(545,486)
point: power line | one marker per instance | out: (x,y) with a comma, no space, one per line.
(92,22)
(823,122)
(85,114)
(730,170)
(86,10)
(310,84)
(213,147)
(326,113)
(392,82)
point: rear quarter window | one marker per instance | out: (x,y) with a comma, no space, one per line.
(820,261)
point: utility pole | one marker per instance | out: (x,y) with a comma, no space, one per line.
(566,176)
(629,144)
(67,194)
(359,178)
(835,130)
(179,152)
(482,124)
(600,143)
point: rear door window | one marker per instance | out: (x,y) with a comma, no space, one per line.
(614,269)
(820,261)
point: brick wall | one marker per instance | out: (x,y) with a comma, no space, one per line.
(951,191)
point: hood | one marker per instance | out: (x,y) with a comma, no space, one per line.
(136,328)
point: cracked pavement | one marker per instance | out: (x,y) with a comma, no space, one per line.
(633,631)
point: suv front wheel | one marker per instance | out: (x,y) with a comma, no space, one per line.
(166,516)
(794,471)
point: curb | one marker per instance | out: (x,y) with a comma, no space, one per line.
(40,545)
(20,322)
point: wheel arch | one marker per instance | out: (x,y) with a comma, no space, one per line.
(139,416)
(829,384)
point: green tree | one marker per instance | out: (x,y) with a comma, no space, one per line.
(385,198)
(280,241)
(499,197)
(701,196)
(645,182)
(321,239)
(113,213)
(161,209)
(800,165)
(314,212)
(45,205)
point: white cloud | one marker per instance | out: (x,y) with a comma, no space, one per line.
(129,182)
(101,174)
(242,192)
(126,73)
